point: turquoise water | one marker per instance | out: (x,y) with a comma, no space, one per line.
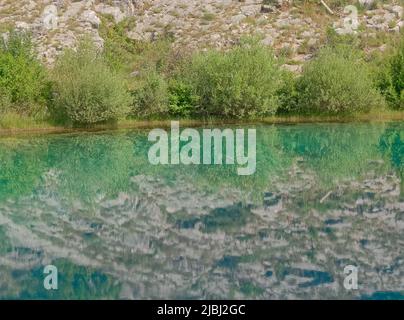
(324,196)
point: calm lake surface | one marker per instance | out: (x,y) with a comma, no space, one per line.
(324,196)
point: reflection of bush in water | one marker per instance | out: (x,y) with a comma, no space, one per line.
(5,243)
(384,295)
(92,165)
(21,167)
(333,151)
(391,145)
(74,282)
(88,166)
(218,177)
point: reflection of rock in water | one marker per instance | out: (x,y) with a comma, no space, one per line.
(227,218)
(176,241)
(316,277)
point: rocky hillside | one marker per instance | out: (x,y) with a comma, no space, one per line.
(294,28)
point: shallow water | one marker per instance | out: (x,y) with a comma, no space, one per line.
(324,196)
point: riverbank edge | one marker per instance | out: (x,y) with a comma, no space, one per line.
(44,127)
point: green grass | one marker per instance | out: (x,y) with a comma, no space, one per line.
(12,124)
(12,120)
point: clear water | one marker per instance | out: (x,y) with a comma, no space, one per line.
(324,196)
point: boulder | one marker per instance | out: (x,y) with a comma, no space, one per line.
(91,17)
(115,12)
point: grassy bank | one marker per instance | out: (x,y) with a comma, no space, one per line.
(18,125)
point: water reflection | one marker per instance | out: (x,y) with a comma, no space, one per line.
(392,145)
(324,196)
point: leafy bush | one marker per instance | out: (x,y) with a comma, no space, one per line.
(124,53)
(239,83)
(151,95)
(23,80)
(119,50)
(147,62)
(336,81)
(87,91)
(182,100)
(288,95)
(395,88)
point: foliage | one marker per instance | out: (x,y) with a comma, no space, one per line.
(23,81)
(119,50)
(87,90)
(151,79)
(182,100)
(395,87)
(151,95)
(239,83)
(288,95)
(337,81)
(22,164)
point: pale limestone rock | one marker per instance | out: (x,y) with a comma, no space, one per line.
(91,17)
(114,11)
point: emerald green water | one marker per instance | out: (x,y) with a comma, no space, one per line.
(324,196)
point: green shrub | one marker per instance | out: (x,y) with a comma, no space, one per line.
(392,79)
(23,80)
(150,96)
(87,91)
(126,54)
(239,83)
(182,100)
(288,95)
(119,50)
(337,81)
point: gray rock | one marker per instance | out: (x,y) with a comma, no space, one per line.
(312,42)
(268,41)
(91,17)
(295,68)
(251,10)
(398,10)
(266,8)
(238,18)
(366,2)
(22,25)
(113,11)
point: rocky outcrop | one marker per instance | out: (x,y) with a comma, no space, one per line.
(193,23)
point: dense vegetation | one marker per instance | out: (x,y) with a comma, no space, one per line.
(152,80)
(391,78)
(336,81)
(240,83)
(86,90)
(23,80)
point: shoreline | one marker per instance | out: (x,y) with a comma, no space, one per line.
(44,127)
